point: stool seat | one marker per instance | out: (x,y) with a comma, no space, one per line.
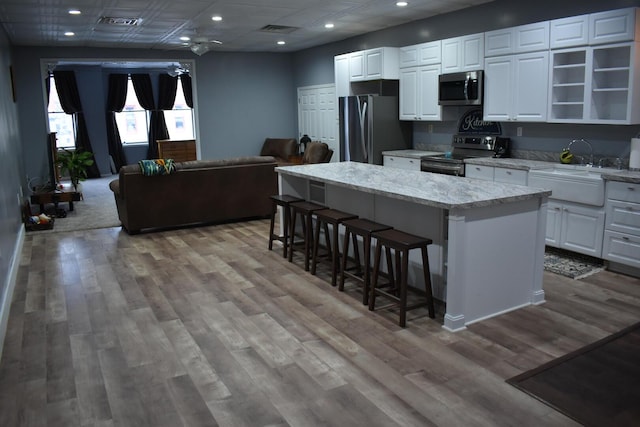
(334,218)
(303,210)
(283,200)
(353,228)
(401,243)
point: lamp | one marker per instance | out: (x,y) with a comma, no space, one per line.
(199,48)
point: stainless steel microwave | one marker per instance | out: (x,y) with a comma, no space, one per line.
(463,88)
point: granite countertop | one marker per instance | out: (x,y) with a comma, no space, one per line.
(523,164)
(412,154)
(437,190)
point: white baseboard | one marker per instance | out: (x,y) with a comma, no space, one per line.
(10,282)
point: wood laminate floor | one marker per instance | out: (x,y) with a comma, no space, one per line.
(205,327)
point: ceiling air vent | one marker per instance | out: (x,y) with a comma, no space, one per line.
(119,21)
(279,29)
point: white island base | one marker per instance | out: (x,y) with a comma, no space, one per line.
(488,251)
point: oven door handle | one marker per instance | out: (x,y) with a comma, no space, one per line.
(440,168)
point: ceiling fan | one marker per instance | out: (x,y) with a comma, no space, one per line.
(201,45)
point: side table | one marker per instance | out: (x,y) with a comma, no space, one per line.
(56,197)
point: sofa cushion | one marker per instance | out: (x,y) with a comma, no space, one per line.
(204,164)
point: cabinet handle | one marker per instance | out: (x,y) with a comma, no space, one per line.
(625,238)
(631,188)
(411,161)
(556,208)
(508,172)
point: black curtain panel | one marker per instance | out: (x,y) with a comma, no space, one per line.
(167,94)
(116,99)
(67,89)
(157,126)
(185,80)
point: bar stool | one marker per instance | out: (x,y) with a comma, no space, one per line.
(401,243)
(364,228)
(283,200)
(303,210)
(335,218)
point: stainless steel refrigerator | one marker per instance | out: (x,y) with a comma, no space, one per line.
(369,125)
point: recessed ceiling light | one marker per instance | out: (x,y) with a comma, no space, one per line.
(74,12)
(185,38)
(281,42)
(401,3)
(69,33)
(328,25)
(216,18)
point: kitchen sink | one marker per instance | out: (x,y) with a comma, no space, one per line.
(571,183)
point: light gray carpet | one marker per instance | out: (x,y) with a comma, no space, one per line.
(96,210)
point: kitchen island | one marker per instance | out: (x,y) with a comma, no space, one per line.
(488,240)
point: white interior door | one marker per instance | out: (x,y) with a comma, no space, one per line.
(317,115)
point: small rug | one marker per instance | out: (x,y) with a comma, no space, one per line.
(597,385)
(96,210)
(571,264)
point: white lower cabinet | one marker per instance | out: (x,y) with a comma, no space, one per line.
(575,227)
(496,174)
(401,162)
(622,230)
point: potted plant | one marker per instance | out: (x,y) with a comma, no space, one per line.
(75,163)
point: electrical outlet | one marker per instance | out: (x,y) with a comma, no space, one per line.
(519,131)
(430,128)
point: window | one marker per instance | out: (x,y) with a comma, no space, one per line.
(133,121)
(180,119)
(60,122)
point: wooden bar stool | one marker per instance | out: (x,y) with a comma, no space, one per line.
(283,200)
(303,210)
(401,243)
(334,218)
(364,228)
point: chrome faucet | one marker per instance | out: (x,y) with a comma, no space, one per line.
(590,149)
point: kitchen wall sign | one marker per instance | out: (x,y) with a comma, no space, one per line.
(472,123)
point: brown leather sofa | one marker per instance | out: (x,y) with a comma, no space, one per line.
(197,192)
(280,148)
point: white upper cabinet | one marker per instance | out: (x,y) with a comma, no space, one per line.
(614,26)
(513,87)
(419,93)
(374,64)
(569,32)
(342,76)
(464,53)
(521,39)
(421,54)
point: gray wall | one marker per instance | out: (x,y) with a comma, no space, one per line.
(315,66)
(10,172)
(241,98)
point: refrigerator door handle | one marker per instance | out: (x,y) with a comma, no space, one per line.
(363,117)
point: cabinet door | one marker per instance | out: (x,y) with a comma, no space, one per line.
(356,66)
(428,108)
(621,248)
(479,172)
(510,176)
(373,63)
(613,26)
(409,56)
(554,224)
(532,37)
(430,53)
(401,162)
(623,217)
(569,32)
(342,77)
(530,83)
(409,93)
(582,229)
(498,94)
(472,52)
(499,42)
(451,55)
